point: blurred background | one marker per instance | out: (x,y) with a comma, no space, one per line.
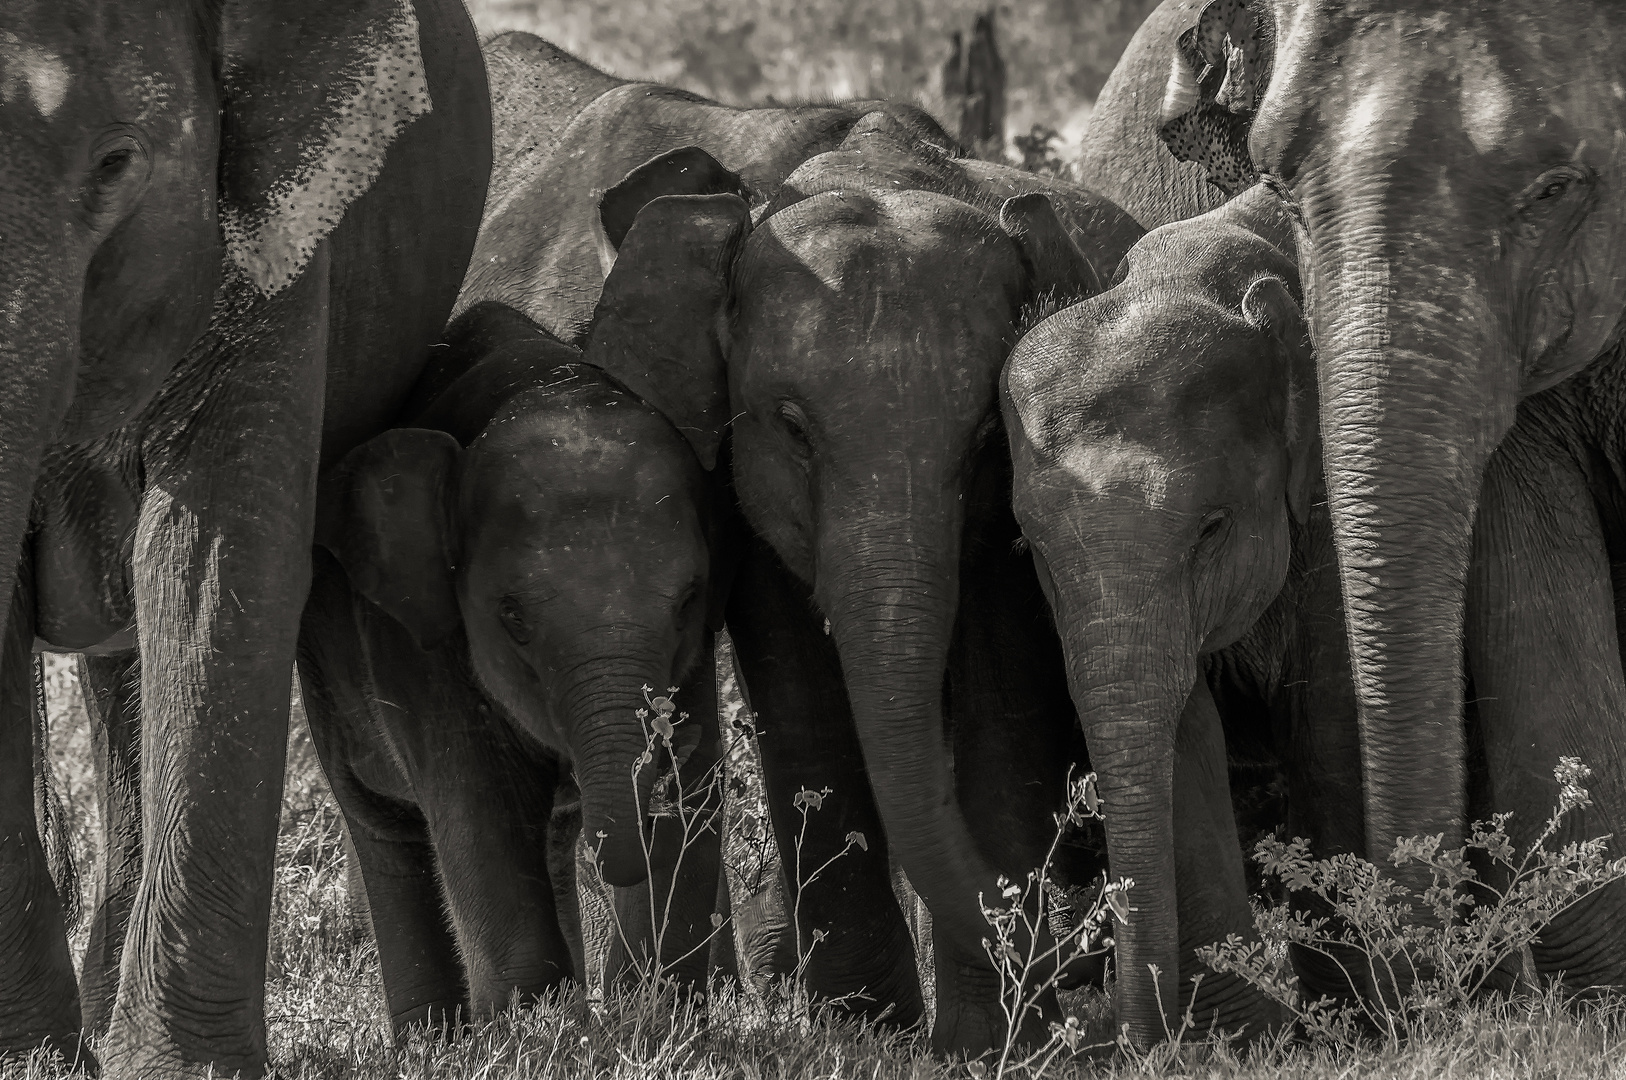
(1057,53)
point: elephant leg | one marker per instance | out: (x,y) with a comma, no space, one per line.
(417,953)
(670,913)
(112,688)
(1012,720)
(222,566)
(1546,665)
(1211,895)
(487,794)
(724,961)
(39,999)
(564,833)
(854,940)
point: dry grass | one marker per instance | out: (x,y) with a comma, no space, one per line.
(327,1017)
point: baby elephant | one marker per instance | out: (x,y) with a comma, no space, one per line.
(515,580)
(1167,473)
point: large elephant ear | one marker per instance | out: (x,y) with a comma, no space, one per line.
(1269,306)
(314,92)
(661,322)
(386,516)
(1220,70)
(1056,267)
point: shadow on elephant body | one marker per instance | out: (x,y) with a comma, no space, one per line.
(555,531)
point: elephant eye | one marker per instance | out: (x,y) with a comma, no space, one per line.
(512,616)
(1546,193)
(118,163)
(795,420)
(1214,526)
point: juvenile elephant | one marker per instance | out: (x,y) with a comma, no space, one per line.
(881,619)
(518,575)
(229,233)
(1461,214)
(568,133)
(1167,475)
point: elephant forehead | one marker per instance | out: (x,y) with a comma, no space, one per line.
(1119,467)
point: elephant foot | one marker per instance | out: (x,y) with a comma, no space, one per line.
(971,1011)
(72,1051)
(1226,1003)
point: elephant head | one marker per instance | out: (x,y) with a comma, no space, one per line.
(572,537)
(153,150)
(1162,438)
(874,306)
(1460,225)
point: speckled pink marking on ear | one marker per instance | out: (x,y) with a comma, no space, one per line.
(387,90)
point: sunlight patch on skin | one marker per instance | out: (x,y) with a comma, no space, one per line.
(1487,104)
(272,245)
(1108,467)
(29,72)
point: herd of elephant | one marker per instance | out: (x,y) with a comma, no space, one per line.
(489,388)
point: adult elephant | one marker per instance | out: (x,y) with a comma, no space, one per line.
(880,613)
(203,207)
(1461,216)
(544,247)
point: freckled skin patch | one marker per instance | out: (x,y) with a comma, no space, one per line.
(381,90)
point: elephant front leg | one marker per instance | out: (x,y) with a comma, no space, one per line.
(1211,895)
(388,837)
(39,1000)
(112,688)
(852,937)
(670,914)
(1545,660)
(1013,721)
(222,565)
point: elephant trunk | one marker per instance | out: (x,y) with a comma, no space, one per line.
(1130,687)
(615,780)
(39,346)
(1412,406)
(891,593)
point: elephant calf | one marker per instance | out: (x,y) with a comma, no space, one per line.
(509,580)
(1167,475)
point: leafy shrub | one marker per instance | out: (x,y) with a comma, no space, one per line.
(1420,960)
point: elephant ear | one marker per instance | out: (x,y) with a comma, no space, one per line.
(386,516)
(688,170)
(1056,267)
(661,322)
(1219,73)
(314,92)
(1269,307)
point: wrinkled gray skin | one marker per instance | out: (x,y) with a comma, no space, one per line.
(873,307)
(224,248)
(448,705)
(1163,436)
(1120,155)
(1461,221)
(568,133)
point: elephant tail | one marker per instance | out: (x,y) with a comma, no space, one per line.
(50,814)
